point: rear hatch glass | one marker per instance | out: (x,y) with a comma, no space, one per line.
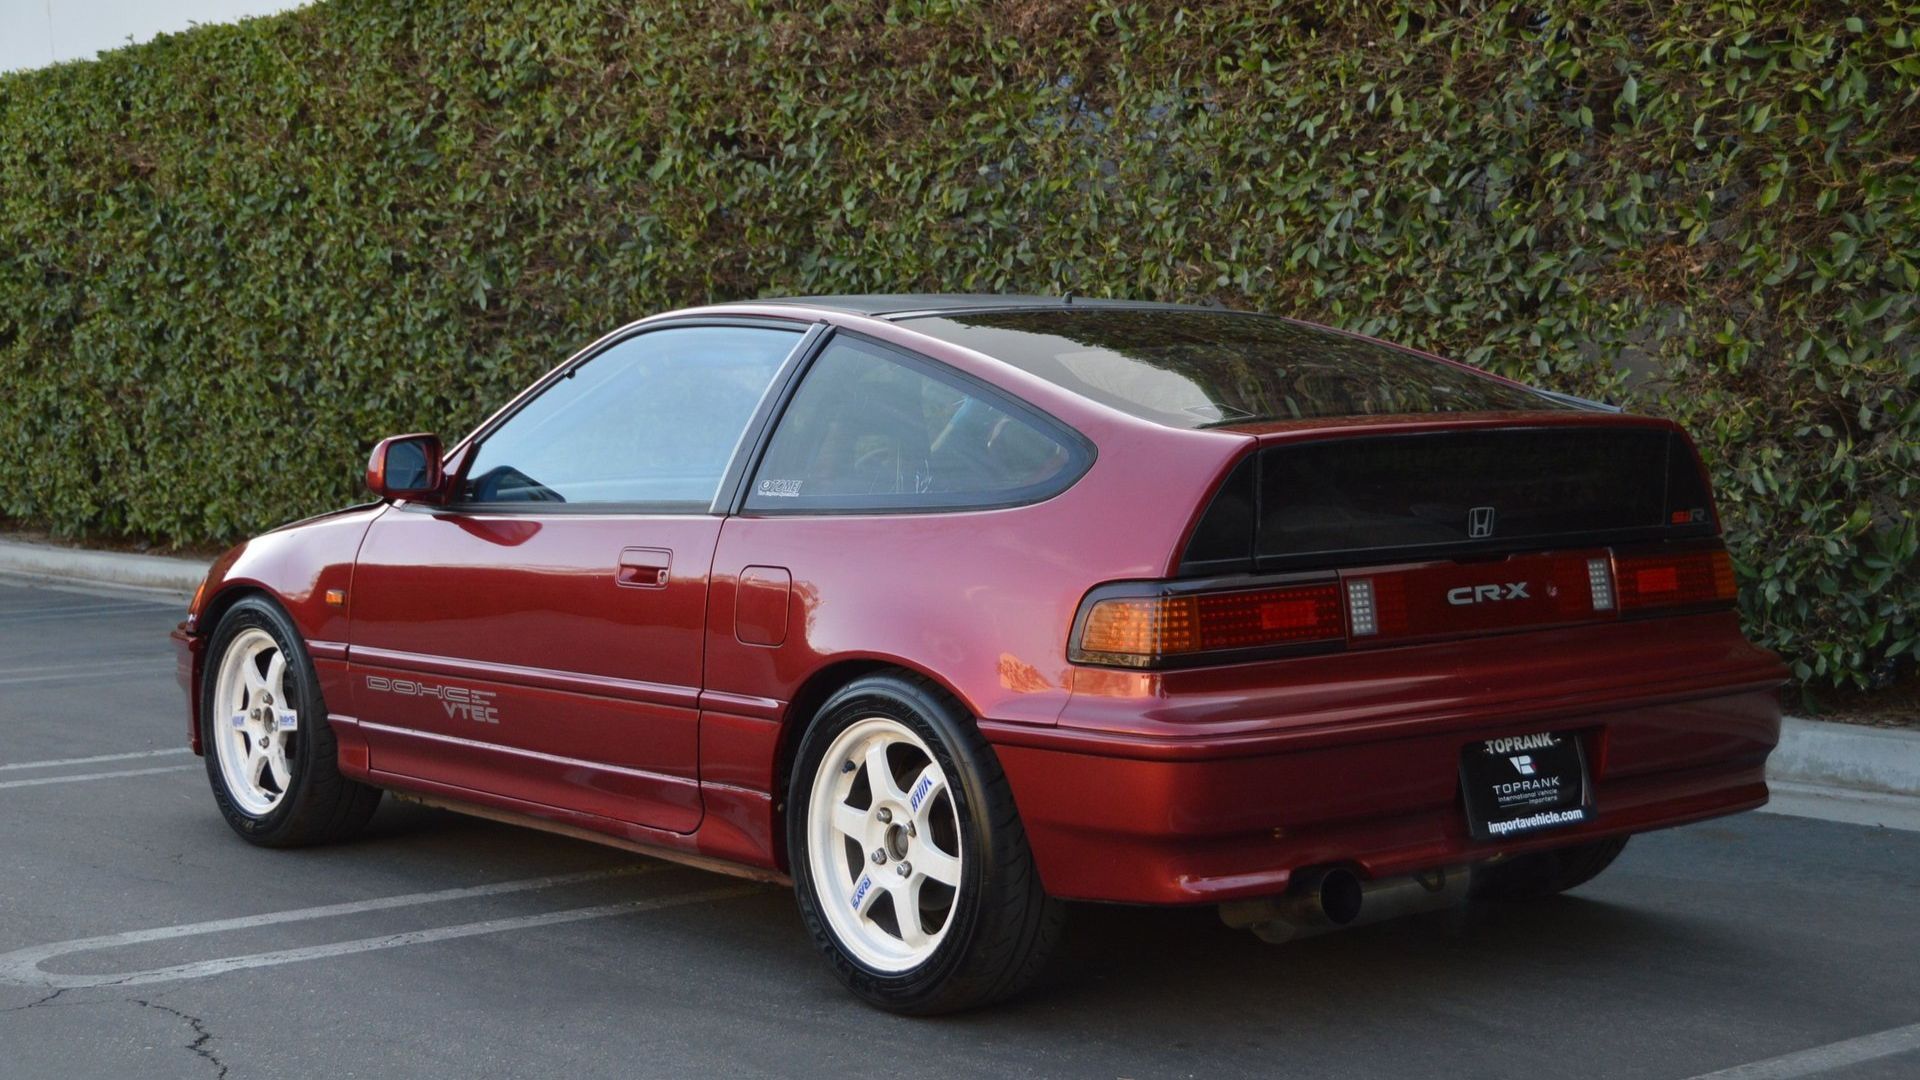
(1196,368)
(1378,498)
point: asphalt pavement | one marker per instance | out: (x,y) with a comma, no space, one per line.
(139,937)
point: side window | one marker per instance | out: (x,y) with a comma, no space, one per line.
(869,429)
(651,420)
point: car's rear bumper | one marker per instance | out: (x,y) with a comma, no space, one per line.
(1229,807)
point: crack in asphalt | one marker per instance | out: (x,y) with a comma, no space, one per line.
(36,1004)
(201,1036)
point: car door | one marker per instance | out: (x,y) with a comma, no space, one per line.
(536,637)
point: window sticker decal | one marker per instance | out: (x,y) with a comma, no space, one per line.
(781,489)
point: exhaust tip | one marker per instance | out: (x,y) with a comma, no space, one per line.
(1340,895)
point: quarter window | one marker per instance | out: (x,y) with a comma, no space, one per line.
(649,421)
(870,428)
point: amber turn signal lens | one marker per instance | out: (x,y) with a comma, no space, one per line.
(1139,631)
(1142,627)
(193,605)
(1683,579)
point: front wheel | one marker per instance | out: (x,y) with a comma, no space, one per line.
(263,727)
(911,868)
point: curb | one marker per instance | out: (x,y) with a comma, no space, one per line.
(1847,756)
(1843,805)
(102,567)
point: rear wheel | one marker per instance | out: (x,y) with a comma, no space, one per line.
(269,752)
(911,868)
(1544,873)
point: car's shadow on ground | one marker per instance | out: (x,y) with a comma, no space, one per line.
(1132,960)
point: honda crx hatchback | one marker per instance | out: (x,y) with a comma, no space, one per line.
(950,608)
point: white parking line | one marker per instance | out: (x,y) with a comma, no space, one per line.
(42,781)
(157,596)
(1822,1059)
(42,669)
(22,967)
(112,604)
(97,758)
(31,615)
(155,666)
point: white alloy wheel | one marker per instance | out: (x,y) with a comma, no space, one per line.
(255,722)
(883,845)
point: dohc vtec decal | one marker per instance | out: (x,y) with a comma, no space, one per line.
(475,705)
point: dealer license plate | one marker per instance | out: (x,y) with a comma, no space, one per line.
(1525,783)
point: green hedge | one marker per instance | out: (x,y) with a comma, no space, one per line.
(232,258)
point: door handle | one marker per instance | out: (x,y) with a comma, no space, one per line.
(644,568)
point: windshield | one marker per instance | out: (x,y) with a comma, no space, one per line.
(1204,368)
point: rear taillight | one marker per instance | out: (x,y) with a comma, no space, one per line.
(1167,624)
(1679,579)
(1147,631)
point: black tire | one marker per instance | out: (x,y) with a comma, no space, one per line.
(1004,925)
(319,805)
(1546,873)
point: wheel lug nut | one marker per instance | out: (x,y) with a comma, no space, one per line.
(911,831)
(905,869)
(879,856)
(885,815)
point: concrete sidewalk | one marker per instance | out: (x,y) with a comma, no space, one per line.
(83,566)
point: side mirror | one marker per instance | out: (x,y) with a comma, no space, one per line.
(405,467)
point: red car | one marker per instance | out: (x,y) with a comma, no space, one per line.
(951,608)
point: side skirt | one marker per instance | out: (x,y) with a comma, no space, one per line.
(734,838)
(531,821)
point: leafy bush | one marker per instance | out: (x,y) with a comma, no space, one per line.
(232,258)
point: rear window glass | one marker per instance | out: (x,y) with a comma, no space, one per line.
(1411,491)
(1201,368)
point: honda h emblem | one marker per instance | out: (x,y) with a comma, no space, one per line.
(1480,522)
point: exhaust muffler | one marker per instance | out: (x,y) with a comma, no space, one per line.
(1329,898)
